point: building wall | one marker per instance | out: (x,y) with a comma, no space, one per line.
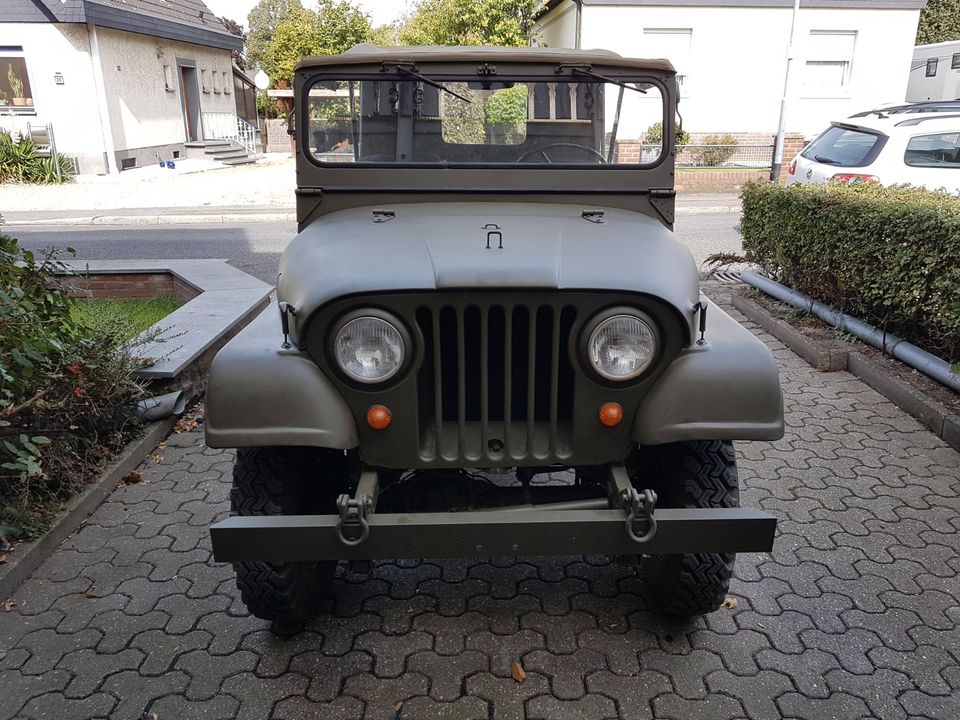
(72,107)
(945,85)
(733,59)
(560,29)
(145,115)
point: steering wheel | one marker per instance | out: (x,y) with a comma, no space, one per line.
(543,151)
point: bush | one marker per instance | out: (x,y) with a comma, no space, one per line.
(888,255)
(715,150)
(654,135)
(19,162)
(66,392)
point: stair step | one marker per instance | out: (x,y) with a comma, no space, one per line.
(245,160)
(203,144)
(233,155)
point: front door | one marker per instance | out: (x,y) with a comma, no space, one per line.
(190,101)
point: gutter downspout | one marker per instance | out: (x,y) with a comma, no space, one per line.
(579,4)
(102,108)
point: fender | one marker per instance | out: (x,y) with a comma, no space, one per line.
(726,389)
(260,394)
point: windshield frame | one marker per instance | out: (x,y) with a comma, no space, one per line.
(459,72)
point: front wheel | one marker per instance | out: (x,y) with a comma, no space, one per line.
(694,474)
(286,481)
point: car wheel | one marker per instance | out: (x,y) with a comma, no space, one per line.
(695,474)
(286,481)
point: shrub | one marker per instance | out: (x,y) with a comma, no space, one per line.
(715,150)
(654,135)
(66,391)
(19,162)
(889,255)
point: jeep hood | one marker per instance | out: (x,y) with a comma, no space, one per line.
(444,246)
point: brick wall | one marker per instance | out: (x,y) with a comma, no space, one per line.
(129,285)
(792,145)
(711,181)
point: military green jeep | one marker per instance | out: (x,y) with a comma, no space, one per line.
(489,342)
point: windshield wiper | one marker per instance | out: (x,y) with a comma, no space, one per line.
(826,160)
(588,71)
(408,69)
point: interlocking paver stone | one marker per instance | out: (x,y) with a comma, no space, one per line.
(854,613)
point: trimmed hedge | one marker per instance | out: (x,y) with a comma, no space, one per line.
(888,255)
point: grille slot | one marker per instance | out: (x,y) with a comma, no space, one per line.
(496,382)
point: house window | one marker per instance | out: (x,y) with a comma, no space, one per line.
(16,94)
(205,80)
(955,62)
(674,44)
(829,61)
(932,67)
(168,78)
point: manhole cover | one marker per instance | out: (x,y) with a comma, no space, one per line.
(726,276)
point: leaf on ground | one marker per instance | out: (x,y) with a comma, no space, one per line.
(7,605)
(730,603)
(162,446)
(516,670)
(3,559)
(89,594)
(132,478)
(185,425)
(398,707)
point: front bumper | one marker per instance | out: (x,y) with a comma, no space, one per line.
(490,534)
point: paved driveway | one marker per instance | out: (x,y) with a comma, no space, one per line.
(854,614)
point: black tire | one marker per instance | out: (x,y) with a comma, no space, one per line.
(286,481)
(695,474)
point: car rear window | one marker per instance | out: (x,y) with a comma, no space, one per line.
(941,150)
(844,147)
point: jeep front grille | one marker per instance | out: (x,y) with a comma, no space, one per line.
(496,383)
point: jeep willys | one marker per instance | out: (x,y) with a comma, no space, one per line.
(489,342)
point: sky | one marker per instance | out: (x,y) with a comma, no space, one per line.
(381,12)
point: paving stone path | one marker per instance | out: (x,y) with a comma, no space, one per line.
(853,615)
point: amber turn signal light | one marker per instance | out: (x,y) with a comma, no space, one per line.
(379,417)
(611,414)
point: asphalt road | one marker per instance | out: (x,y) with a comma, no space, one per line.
(255,247)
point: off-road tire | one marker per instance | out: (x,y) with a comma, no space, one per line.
(694,474)
(286,481)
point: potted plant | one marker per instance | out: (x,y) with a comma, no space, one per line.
(16,86)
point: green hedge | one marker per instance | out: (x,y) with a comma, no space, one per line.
(888,255)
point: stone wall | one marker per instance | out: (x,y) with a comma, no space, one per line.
(275,137)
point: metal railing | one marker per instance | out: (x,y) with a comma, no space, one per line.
(727,157)
(227,126)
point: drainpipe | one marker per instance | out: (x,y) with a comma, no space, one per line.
(102,108)
(781,128)
(930,365)
(579,4)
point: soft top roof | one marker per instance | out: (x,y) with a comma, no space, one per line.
(367,53)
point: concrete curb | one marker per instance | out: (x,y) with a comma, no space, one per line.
(943,422)
(281,216)
(28,557)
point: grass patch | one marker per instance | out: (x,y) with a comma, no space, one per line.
(135,315)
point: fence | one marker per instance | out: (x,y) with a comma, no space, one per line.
(227,126)
(730,157)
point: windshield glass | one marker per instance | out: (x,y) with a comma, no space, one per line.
(403,120)
(844,147)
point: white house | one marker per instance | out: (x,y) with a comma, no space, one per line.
(935,72)
(122,82)
(731,55)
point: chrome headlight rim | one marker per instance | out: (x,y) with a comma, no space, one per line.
(368,384)
(597,322)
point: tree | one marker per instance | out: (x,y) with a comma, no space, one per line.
(470,22)
(262,23)
(939,22)
(234,28)
(333,28)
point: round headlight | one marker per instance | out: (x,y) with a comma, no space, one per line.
(622,347)
(369,350)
